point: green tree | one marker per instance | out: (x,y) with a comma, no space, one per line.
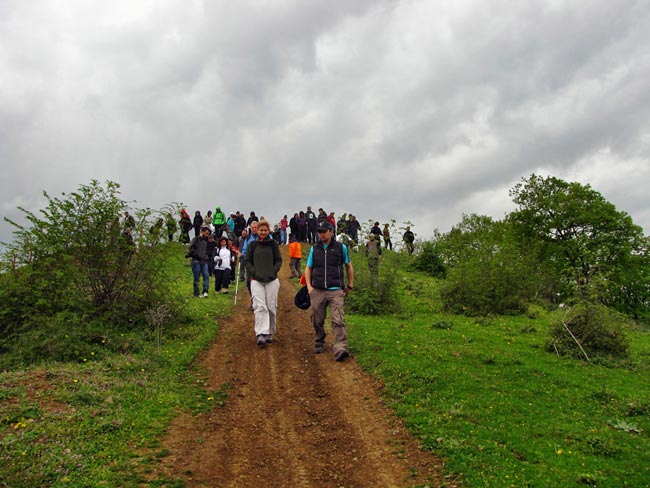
(628,290)
(580,233)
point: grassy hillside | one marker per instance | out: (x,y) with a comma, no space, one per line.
(486,395)
(482,392)
(87,423)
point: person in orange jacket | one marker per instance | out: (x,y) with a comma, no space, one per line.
(295,255)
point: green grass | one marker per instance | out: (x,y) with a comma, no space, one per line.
(485,395)
(95,422)
(481,392)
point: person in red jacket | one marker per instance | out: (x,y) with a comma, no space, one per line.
(332,220)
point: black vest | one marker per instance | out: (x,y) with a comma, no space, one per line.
(327,270)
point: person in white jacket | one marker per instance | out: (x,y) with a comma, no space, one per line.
(222,263)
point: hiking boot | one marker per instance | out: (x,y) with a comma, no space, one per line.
(261,340)
(318,349)
(268,338)
(341,356)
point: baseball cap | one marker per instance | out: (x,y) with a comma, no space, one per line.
(324,225)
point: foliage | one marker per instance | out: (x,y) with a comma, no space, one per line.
(628,287)
(564,242)
(429,259)
(589,330)
(374,292)
(581,234)
(76,265)
(487,272)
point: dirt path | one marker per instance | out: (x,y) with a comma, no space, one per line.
(292,418)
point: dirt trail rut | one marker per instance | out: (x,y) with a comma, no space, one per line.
(291,418)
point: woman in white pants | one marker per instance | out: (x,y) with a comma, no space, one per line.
(263,262)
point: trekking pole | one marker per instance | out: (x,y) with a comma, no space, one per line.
(237,280)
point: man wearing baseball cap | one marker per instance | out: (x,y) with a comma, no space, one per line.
(327,288)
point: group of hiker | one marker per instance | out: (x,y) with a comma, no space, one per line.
(303,225)
(234,247)
(232,225)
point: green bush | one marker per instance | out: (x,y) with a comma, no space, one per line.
(487,270)
(489,284)
(374,293)
(534,311)
(75,273)
(429,260)
(65,336)
(590,330)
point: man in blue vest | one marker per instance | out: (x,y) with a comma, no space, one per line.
(327,288)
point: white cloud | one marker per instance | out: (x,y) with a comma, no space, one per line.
(407,110)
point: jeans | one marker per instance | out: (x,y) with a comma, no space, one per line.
(200,269)
(283,236)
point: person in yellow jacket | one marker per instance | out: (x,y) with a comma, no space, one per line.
(295,255)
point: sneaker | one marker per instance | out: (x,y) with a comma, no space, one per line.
(261,340)
(205,294)
(268,338)
(341,356)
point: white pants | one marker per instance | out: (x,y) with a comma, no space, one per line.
(265,305)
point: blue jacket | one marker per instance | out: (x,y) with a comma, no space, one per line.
(251,238)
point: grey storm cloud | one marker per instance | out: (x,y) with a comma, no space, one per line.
(406,110)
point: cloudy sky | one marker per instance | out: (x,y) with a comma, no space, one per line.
(402,109)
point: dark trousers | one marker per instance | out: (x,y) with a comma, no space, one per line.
(221,279)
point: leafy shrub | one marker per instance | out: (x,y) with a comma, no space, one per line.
(534,311)
(484,285)
(75,268)
(487,270)
(374,293)
(590,330)
(429,260)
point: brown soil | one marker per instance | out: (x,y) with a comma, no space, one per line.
(292,418)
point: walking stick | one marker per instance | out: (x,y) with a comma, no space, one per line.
(237,280)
